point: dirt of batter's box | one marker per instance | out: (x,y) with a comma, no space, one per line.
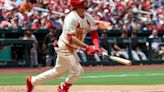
(89,88)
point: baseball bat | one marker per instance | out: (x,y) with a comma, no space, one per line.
(117,59)
(121,60)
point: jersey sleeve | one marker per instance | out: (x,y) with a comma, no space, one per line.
(70,25)
(92,23)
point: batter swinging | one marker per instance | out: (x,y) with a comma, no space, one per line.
(76,25)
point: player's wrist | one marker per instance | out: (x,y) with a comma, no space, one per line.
(86,47)
(97,46)
(89,48)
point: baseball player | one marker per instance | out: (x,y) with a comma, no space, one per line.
(76,25)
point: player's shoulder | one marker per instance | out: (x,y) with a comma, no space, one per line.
(89,16)
(71,16)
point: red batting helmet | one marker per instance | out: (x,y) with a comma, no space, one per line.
(77,4)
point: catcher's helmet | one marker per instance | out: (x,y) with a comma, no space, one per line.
(78,3)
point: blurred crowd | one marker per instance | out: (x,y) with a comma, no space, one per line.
(109,14)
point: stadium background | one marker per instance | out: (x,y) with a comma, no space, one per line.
(113,18)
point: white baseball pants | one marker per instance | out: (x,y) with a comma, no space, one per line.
(66,61)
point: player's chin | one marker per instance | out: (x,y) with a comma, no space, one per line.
(86,8)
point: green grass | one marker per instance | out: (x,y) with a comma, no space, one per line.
(136,77)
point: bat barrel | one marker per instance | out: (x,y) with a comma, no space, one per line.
(121,60)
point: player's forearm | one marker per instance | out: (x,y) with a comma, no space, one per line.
(95,38)
(77,42)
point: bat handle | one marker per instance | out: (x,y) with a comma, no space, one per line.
(105,53)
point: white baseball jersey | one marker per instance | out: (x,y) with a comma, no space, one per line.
(74,24)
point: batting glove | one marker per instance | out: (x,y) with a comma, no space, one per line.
(90,50)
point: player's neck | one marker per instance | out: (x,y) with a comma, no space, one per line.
(80,13)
